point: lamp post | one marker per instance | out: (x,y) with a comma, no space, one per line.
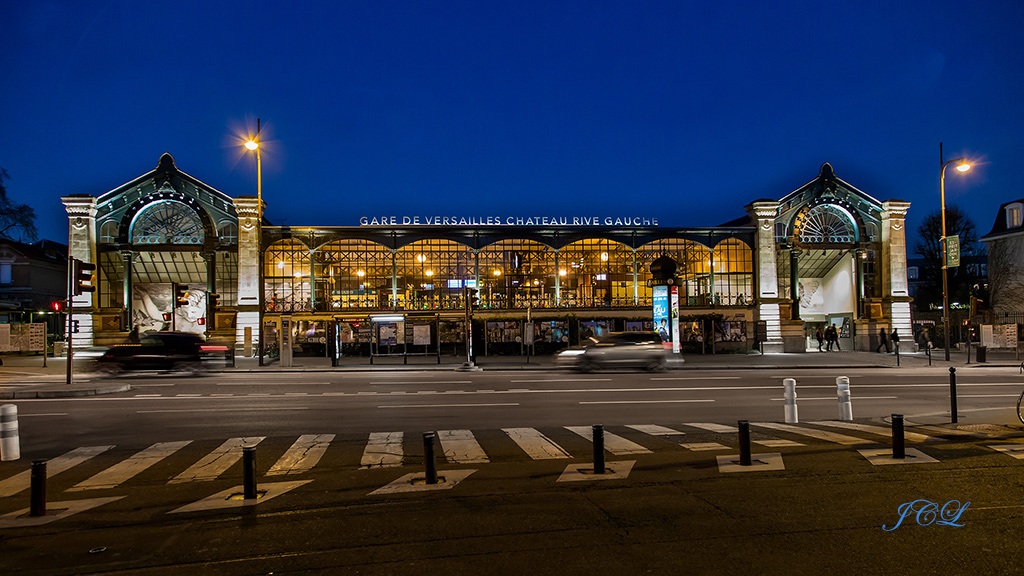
(962,166)
(253,144)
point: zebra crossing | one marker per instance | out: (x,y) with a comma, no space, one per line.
(388,449)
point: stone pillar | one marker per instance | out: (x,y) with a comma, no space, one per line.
(794,283)
(210,258)
(249,260)
(893,262)
(82,245)
(127,257)
(763,213)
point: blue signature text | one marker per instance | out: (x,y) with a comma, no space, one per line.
(927,512)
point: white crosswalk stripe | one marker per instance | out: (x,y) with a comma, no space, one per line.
(879,430)
(536,445)
(461,447)
(21,481)
(813,433)
(613,443)
(217,462)
(712,427)
(655,430)
(383,450)
(303,455)
(130,467)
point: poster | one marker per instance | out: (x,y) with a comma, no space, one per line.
(421,335)
(37,336)
(660,294)
(634,326)
(731,331)
(552,331)
(674,312)
(5,337)
(388,334)
(594,329)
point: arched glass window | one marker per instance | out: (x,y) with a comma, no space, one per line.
(108,233)
(167,222)
(228,233)
(827,224)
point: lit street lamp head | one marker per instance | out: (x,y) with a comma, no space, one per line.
(963,166)
(252,144)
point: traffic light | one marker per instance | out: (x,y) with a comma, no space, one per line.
(472,298)
(180,295)
(56,306)
(213,300)
(82,275)
(74,326)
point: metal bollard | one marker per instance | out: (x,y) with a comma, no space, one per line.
(37,502)
(249,472)
(952,394)
(598,449)
(898,445)
(789,385)
(744,428)
(10,441)
(428,457)
(843,391)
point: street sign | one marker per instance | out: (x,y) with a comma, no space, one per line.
(952,251)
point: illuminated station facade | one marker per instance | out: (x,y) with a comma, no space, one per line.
(825,253)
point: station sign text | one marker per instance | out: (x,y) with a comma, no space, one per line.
(507,221)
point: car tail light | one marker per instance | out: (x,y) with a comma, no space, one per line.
(206,348)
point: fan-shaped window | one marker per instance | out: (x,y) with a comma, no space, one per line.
(167,222)
(827,224)
(108,233)
(228,233)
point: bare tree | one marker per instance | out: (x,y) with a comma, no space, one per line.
(17,221)
(929,248)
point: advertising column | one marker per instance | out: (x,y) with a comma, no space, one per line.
(661,314)
(674,312)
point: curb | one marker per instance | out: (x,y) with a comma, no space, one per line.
(74,393)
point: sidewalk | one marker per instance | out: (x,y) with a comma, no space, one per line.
(25,376)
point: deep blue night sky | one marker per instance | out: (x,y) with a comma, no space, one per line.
(683,111)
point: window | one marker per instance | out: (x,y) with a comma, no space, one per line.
(1014,214)
(108,233)
(5,273)
(912,272)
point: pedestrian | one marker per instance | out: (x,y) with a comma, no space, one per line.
(895,340)
(883,340)
(820,337)
(829,337)
(835,336)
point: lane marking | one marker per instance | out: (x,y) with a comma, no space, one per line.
(54,466)
(561,380)
(383,450)
(44,414)
(879,430)
(818,434)
(303,455)
(655,430)
(130,467)
(613,443)
(192,410)
(216,462)
(461,447)
(447,405)
(536,445)
(644,401)
(696,378)
(833,398)
(421,382)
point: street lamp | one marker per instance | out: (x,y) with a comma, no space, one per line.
(253,145)
(962,166)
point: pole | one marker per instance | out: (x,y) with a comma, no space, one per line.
(952,394)
(428,457)
(249,472)
(71,312)
(37,489)
(598,433)
(945,280)
(898,445)
(744,430)
(259,239)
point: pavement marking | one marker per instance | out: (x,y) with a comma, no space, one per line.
(818,434)
(1014,450)
(148,395)
(880,430)
(399,383)
(415,482)
(231,498)
(987,395)
(703,446)
(54,511)
(696,377)
(461,447)
(645,402)
(535,444)
(54,466)
(883,456)
(303,455)
(383,450)
(43,414)
(217,462)
(447,405)
(188,395)
(712,427)
(654,430)
(130,467)
(833,398)
(617,470)
(613,443)
(187,410)
(758,463)
(561,380)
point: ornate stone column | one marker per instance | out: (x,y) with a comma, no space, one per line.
(249,259)
(127,257)
(82,245)
(893,262)
(763,213)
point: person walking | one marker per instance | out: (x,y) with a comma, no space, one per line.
(829,337)
(835,338)
(820,336)
(895,340)
(883,340)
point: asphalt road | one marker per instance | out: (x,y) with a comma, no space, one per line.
(165,407)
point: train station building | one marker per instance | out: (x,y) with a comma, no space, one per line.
(824,253)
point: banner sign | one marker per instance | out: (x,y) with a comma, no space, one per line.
(952,251)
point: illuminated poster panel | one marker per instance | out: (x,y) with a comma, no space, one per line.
(661,315)
(674,311)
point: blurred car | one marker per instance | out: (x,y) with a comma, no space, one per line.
(617,350)
(163,351)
